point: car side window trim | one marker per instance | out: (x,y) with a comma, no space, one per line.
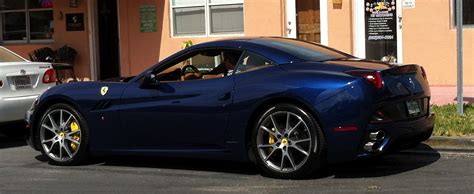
(245,53)
(171,62)
(167,64)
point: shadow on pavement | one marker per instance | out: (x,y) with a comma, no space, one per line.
(183,164)
(12,135)
(11,142)
(386,165)
(41,158)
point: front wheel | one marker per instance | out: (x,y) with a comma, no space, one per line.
(63,135)
(287,142)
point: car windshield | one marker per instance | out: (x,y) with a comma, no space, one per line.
(7,56)
(304,50)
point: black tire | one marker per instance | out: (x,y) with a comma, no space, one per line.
(82,151)
(316,158)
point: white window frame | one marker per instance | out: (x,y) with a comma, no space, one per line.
(452,9)
(27,20)
(207,20)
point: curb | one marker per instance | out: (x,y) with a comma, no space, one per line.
(464,144)
(449,145)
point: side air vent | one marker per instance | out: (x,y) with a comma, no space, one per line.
(102,105)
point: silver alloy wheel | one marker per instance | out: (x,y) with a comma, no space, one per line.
(284,141)
(60,135)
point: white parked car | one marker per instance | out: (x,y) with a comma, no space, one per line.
(21,82)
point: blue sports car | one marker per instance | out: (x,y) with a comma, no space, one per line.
(287,105)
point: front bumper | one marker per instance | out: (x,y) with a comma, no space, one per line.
(29,123)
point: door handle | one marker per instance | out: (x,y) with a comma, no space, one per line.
(225,97)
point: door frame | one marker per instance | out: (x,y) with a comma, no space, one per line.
(94,45)
(291,28)
(93,24)
(359,30)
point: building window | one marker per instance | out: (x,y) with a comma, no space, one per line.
(207,17)
(26,21)
(467,12)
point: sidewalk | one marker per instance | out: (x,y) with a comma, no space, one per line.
(441,95)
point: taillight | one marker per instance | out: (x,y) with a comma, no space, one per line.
(423,73)
(373,77)
(49,76)
(1,84)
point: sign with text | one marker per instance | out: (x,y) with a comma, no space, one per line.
(408,4)
(148,18)
(380,29)
(75,22)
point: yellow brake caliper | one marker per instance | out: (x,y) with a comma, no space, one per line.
(75,127)
(271,138)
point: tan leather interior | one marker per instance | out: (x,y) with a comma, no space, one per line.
(191,76)
(211,76)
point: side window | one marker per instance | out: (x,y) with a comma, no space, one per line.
(251,61)
(192,67)
(203,64)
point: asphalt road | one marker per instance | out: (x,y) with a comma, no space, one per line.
(23,170)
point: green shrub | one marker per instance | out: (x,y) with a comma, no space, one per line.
(449,123)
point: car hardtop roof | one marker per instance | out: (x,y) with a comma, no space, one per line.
(229,41)
(262,45)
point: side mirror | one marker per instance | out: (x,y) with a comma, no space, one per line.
(149,81)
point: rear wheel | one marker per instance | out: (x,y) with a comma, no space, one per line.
(287,142)
(63,135)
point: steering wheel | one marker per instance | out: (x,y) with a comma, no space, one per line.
(195,70)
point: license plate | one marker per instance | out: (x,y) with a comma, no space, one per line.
(413,107)
(22,82)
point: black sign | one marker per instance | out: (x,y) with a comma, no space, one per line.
(75,22)
(381,29)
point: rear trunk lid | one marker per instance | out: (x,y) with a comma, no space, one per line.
(405,93)
(406,80)
(22,78)
(398,81)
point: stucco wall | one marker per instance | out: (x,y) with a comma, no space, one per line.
(141,50)
(429,38)
(78,40)
(340,26)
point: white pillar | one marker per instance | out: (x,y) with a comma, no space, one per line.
(359,29)
(291,19)
(324,25)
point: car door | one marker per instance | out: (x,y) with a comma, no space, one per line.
(188,113)
(176,114)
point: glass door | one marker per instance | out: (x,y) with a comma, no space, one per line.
(382,27)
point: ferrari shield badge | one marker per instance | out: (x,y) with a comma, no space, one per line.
(104,90)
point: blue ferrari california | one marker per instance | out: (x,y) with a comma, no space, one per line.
(289,106)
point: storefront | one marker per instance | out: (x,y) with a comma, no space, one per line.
(123,37)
